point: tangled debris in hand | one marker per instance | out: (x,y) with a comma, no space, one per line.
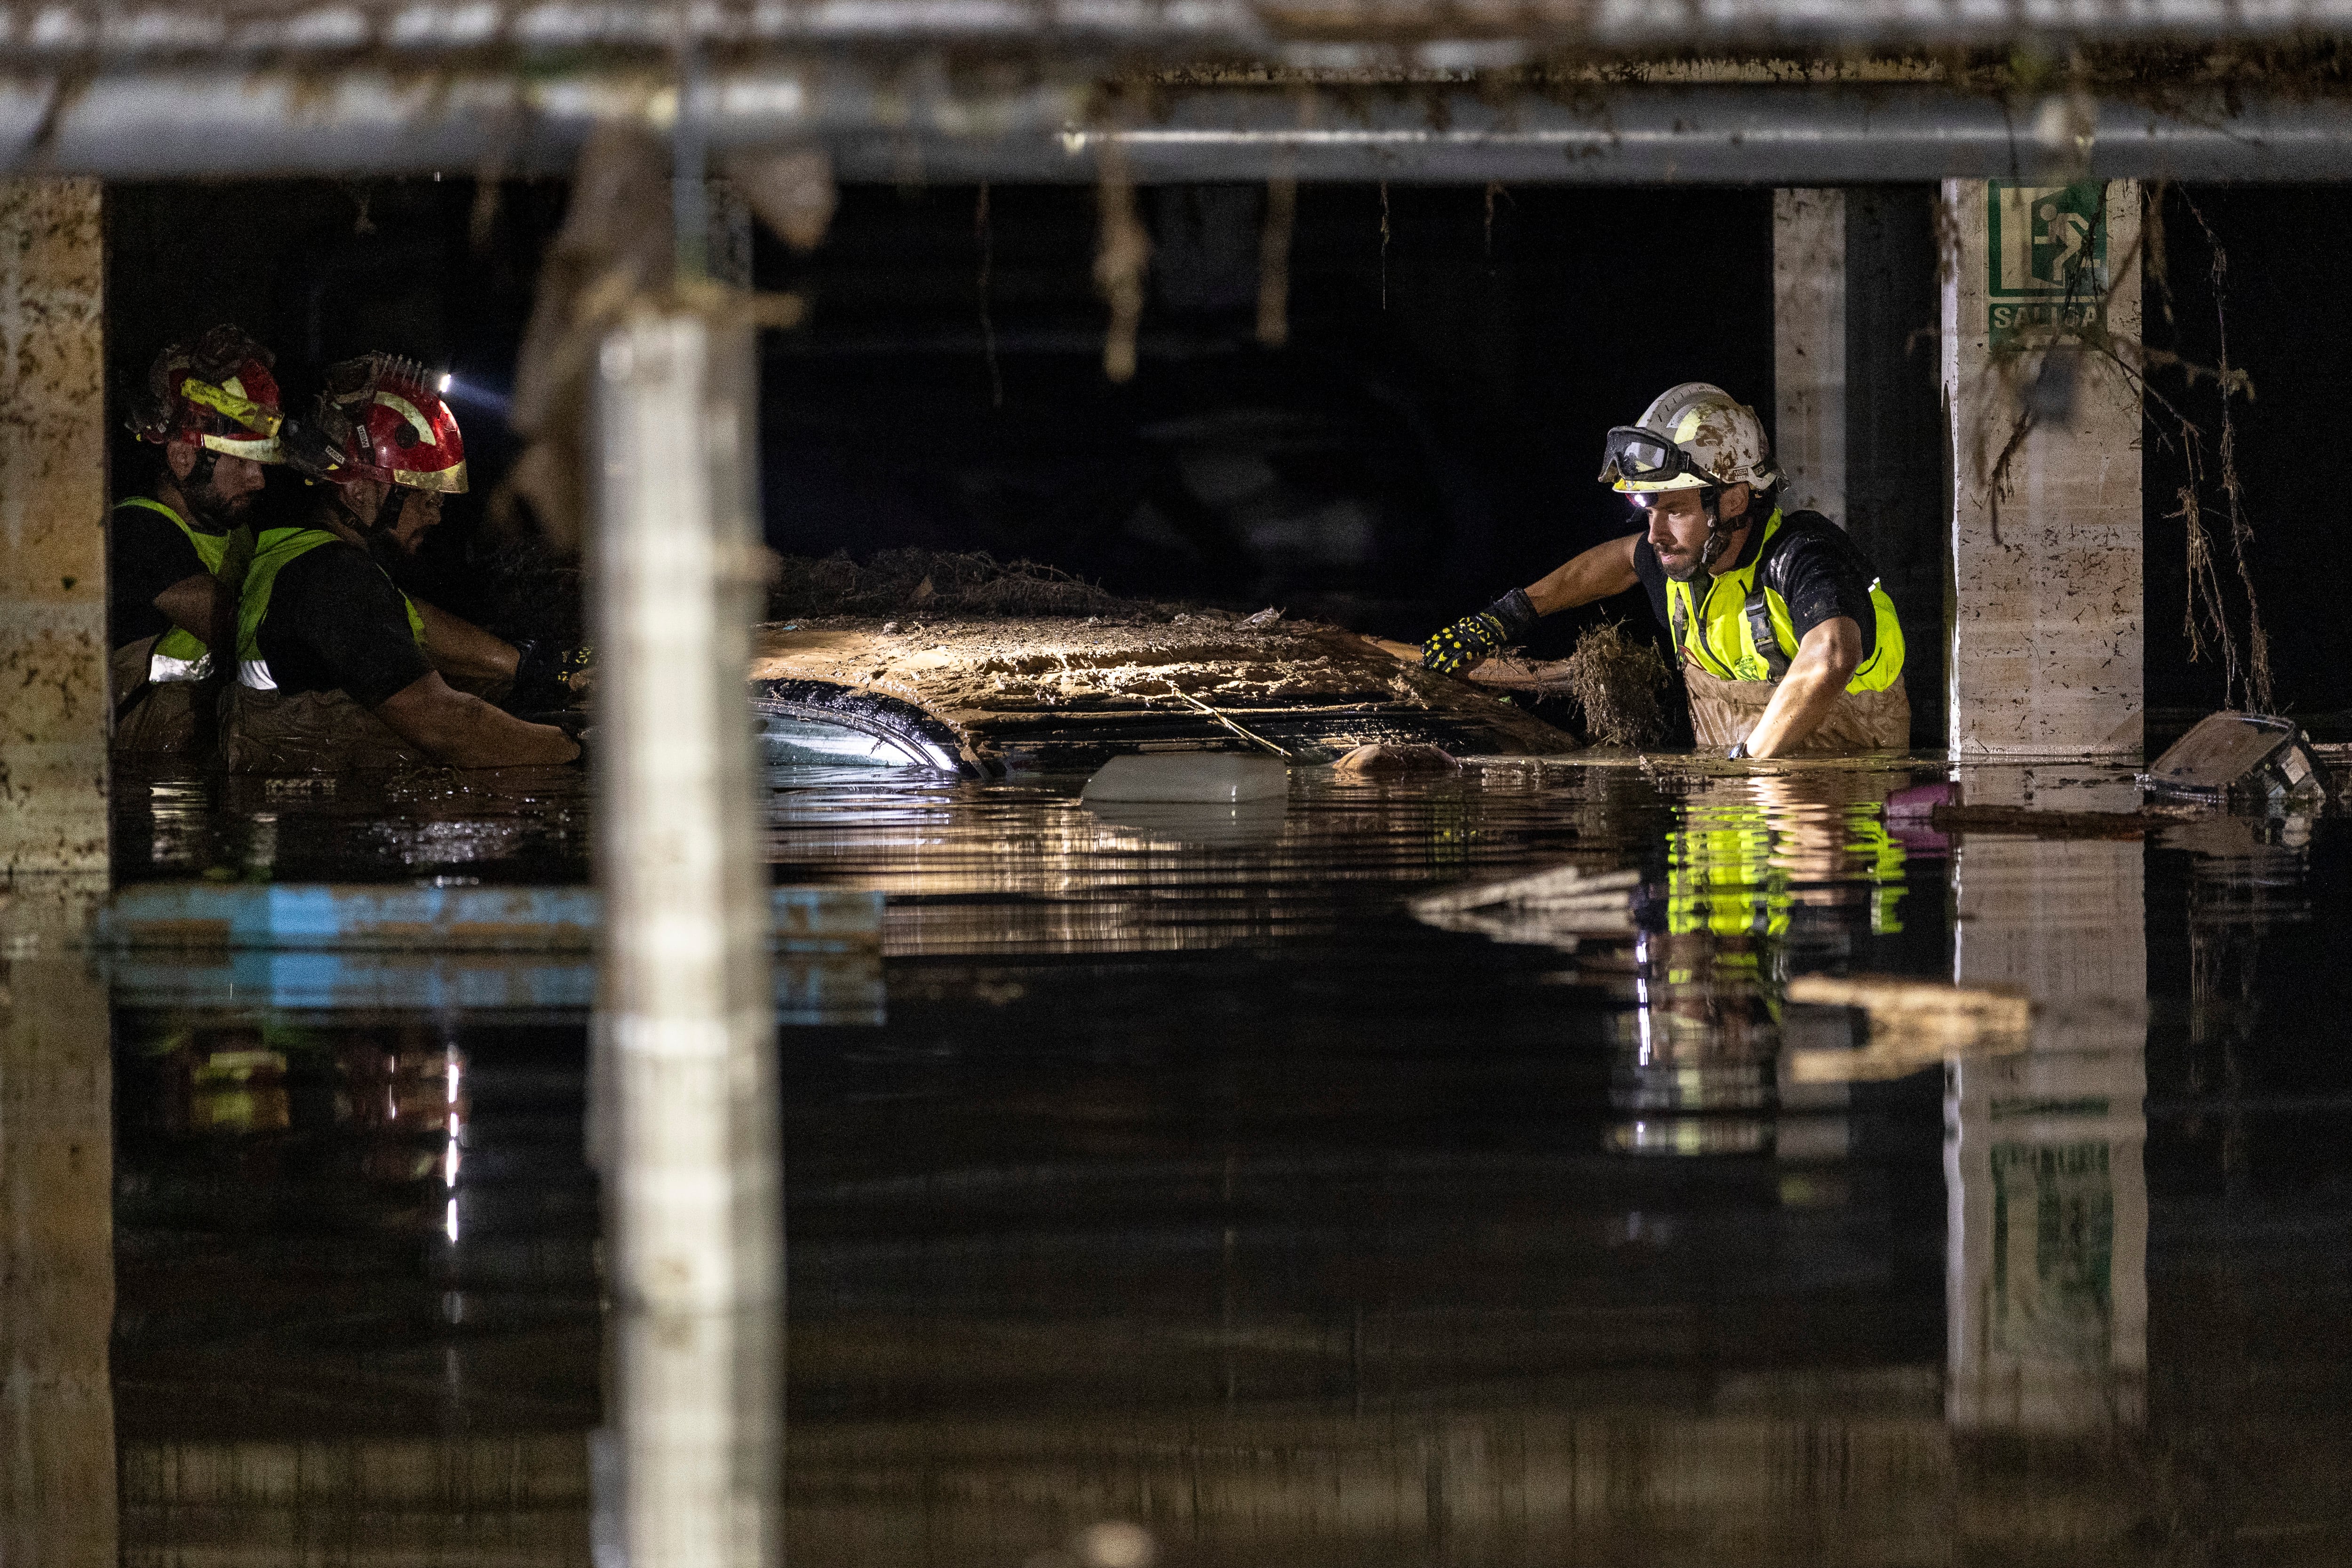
(1616,679)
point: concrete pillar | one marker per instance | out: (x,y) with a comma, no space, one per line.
(56,1262)
(1809,348)
(2045,650)
(2046,1284)
(53,699)
(685,1023)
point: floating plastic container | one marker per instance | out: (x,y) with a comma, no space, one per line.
(1222,778)
(2254,755)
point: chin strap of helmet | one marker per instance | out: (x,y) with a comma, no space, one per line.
(1718,539)
(387,514)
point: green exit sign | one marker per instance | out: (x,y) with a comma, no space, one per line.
(2045,261)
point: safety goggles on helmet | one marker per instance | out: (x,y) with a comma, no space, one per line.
(1643,459)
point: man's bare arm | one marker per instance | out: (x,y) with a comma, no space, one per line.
(465,732)
(196,603)
(1599,571)
(1825,661)
(459,647)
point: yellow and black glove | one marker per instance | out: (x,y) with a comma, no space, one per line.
(546,674)
(1473,638)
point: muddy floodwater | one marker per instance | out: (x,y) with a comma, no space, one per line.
(1169,1170)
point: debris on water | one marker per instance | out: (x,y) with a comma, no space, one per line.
(1385,760)
(1556,909)
(1913,1024)
(1070,695)
(1264,617)
(1617,680)
(1911,817)
(1561,885)
(1221,778)
(2256,755)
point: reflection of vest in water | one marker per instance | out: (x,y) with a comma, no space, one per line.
(180,654)
(1729,871)
(1739,627)
(274,731)
(276,549)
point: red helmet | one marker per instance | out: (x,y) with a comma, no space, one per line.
(384,419)
(218,389)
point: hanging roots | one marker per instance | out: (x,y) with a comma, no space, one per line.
(2246,680)
(1121,253)
(1616,679)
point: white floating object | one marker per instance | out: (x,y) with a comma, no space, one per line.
(1241,822)
(1222,777)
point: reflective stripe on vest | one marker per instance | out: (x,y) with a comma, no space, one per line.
(1741,629)
(271,554)
(180,654)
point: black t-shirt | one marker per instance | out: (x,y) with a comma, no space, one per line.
(1812,565)
(336,621)
(145,554)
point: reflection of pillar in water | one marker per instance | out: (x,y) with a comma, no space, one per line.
(57,1268)
(2047,1283)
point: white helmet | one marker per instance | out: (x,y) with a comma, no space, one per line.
(1693,437)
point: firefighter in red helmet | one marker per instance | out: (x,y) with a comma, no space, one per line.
(173,554)
(337,669)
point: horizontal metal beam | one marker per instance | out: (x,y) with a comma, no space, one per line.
(1353,32)
(917,127)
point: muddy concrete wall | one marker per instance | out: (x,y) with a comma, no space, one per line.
(56,1265)
(53,700)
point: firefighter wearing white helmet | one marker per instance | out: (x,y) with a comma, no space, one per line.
(1787,643)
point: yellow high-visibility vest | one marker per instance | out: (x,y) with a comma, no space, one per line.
(271,554)
(1739,627)
(180,654)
